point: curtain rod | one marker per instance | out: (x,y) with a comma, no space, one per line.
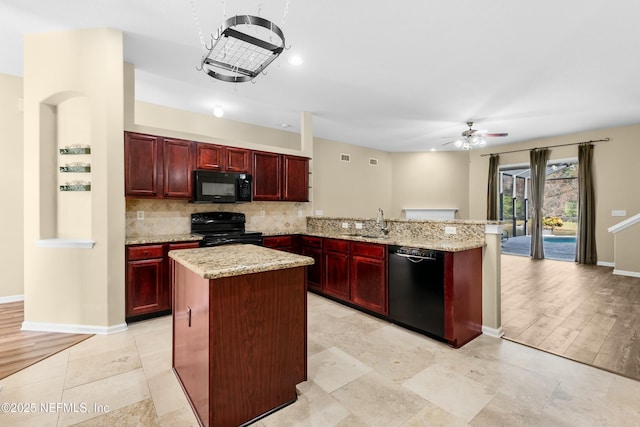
(550,146)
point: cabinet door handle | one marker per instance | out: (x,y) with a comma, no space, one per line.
(189,316)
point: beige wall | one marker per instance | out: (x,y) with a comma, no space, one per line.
(11,215)
(353,188)
(82,83)
(431,180)
(616,165)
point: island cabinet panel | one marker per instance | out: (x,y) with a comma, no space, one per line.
(254,351)
(191,337)
(336,255)
(369,287)
(312,247)
(463,296)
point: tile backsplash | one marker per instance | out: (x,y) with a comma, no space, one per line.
(164,216)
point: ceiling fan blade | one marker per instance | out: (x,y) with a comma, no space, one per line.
(497,134)
(478,131)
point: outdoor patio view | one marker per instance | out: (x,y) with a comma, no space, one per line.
(560,210)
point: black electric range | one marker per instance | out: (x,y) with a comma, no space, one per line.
(223,228)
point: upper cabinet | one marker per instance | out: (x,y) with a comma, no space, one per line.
(221,158)
(280,177)
(267,171)
(157,167)
(295,179)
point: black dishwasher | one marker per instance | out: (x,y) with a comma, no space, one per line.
(416,289)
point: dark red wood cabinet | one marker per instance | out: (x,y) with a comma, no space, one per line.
(287,243)
(280,177)
(337,272)
(462,296)
(148,279)
(239,343)
(222,158)
(157,167)
(146,293)
(311,246)
(369,277)
(295,179)
(267,169)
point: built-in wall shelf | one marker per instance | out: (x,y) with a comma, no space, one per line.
(76,187)
(76,167)
(75,150)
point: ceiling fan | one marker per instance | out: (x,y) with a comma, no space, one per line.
(473,138)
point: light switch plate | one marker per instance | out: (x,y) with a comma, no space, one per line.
(358,226)
(619,212)
(345,225)
(140,215)
(450,230)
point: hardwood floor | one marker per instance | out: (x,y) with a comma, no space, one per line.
(19,349)
(585,313)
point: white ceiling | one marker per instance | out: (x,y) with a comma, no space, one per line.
(395,76)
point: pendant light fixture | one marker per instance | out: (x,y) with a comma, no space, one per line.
(242,48)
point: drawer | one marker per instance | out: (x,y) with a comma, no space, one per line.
(277,241)
(183,245)
(368,249)
(311,241)
(144,252)
(335,245)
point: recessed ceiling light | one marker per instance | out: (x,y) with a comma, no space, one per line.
(218,111)
(285,125)
(295,60)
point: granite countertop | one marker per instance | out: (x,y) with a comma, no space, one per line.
(235,260)
(139,240)
(440,245)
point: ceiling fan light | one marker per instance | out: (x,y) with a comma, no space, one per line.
(458,143)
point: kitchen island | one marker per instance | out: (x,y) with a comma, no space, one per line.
(239,330)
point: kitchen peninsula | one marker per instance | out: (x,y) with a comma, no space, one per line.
(239,330)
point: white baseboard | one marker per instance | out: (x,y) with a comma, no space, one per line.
(493,332)
(606,264)
(12,298)
(626,273)
(73,329)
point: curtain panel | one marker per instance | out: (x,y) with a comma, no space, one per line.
(586,237)
(492,188)
(538,163)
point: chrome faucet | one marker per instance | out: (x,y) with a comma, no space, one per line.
(381,222)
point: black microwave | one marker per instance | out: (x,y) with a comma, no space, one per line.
(221,187)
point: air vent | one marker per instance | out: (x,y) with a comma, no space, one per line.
(373,162)
(345,157)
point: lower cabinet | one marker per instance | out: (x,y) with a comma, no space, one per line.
(356,272)
(311,246)
(146,293)
(369,277)
(148,279)
(287,243)
(335,254)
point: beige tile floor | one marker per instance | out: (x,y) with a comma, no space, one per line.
(362,372)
